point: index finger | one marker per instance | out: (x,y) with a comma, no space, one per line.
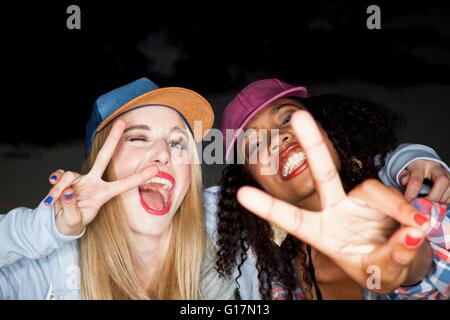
(106,152)
(303,224)
(323,170)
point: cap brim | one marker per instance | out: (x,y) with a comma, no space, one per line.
(299,92)
(192,106)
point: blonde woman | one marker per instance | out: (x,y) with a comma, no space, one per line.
(131,226)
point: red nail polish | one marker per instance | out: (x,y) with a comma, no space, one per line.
(411,241)
(420,219)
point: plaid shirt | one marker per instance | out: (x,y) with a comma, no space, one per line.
(436,285)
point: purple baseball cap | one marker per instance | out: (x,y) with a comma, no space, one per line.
(249,102)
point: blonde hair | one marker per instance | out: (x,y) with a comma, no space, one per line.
(105,251)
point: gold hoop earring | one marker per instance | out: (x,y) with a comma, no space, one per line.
(357,162)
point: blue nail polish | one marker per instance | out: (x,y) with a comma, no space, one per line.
(48,200)
(53,178)
(68,196)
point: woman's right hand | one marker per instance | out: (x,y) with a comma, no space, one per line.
(354,230)
(78,198)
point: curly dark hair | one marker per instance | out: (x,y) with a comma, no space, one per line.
(359,129)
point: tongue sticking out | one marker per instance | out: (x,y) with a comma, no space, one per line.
(153,199)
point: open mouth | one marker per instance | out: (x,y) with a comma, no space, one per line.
(292,162)
(156,193)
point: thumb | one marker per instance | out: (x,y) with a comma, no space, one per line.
(404,177)
(394,257)
(69,220)
(120,186)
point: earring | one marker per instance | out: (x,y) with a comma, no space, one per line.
(357,162)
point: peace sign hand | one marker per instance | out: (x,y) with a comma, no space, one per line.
(354,230)
(84,195)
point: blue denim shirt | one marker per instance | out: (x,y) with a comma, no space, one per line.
(36,260)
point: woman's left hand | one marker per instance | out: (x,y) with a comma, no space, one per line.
(414,175)
(355,230)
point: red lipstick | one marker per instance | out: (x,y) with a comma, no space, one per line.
(165,210)
(283,158)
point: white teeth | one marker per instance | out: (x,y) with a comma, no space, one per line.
(292,163)
(165,183)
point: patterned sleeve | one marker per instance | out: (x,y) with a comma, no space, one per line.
(436,285)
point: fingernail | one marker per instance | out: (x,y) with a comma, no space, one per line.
(420,219)
(53,178)
(412,241)
(68,195)
(48,200)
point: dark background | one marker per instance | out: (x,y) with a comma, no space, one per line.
(52,75)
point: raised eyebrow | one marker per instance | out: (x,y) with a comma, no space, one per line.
(137,127)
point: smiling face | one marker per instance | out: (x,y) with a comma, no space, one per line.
(292,180)
(154,136)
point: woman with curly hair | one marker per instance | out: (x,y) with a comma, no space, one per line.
(329,262)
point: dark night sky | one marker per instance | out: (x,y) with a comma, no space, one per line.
(51,75)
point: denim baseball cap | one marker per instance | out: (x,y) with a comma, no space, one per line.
(190,105)
(249,102)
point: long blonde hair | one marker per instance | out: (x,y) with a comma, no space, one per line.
(105,251)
